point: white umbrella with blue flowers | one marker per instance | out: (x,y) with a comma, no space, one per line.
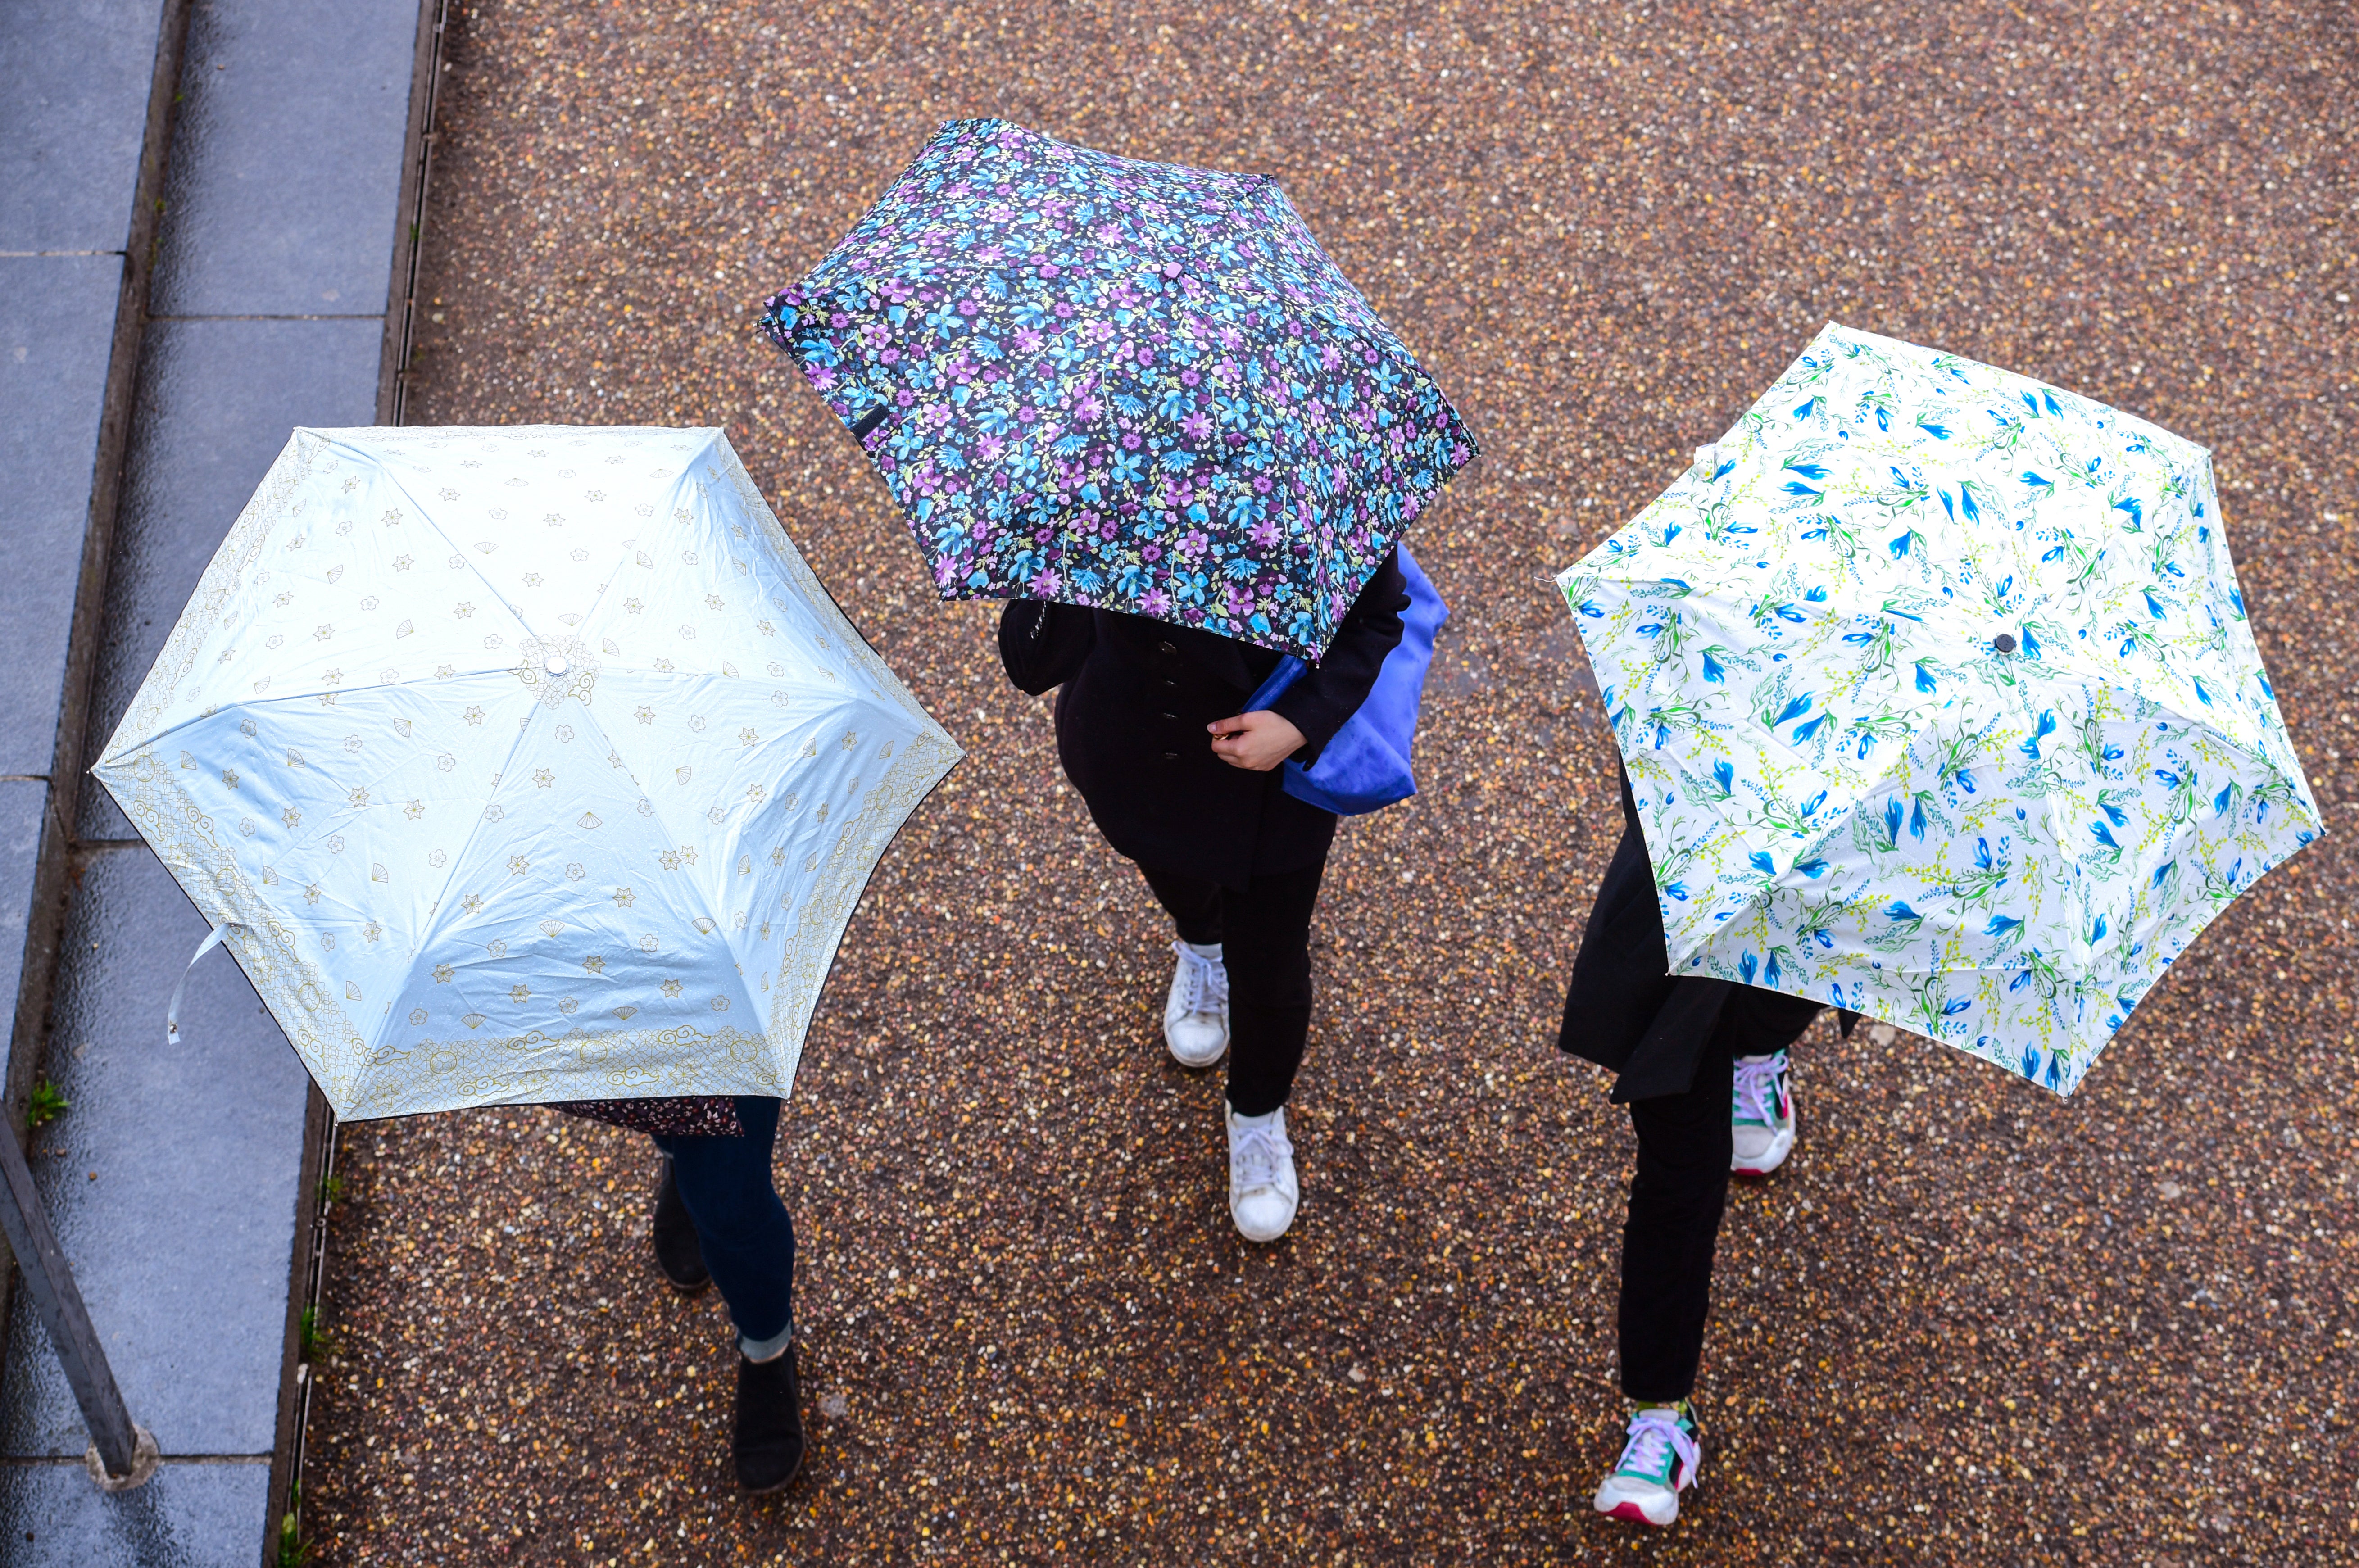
(1938,702)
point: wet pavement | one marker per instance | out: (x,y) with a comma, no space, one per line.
(1970,1324)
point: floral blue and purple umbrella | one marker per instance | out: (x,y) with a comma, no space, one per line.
(1134,386)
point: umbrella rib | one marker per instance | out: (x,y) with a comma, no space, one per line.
(713,434)
(637,773)
(515,614)
(426,516)
(289,698)
(423,514)
(435,927)
(716,913)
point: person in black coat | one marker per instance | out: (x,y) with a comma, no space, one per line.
(1702,1064)
(1181,781)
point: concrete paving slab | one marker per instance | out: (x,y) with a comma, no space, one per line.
(75,77)
(169,1179)
(217,399)
(23,802)
(56,336)
(286,159)
(189,1516)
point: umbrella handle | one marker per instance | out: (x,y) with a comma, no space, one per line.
(172,1008)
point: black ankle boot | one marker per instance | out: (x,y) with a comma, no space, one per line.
(677,1252)
(767,1443)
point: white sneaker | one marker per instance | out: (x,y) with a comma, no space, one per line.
(1761,1118)
(1263,1193)
(1658,1463)
(1196,1014)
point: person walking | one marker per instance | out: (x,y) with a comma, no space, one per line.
(718,1221)
(1703,1066)
(1180,783)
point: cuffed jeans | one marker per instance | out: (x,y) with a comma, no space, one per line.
(742,1224)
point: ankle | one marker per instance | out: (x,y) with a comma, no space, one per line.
(761,1352)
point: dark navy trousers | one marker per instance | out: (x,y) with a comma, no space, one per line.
(741,1223)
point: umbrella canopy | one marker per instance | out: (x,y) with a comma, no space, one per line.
(1936,696)
(522,764)
(1128,384)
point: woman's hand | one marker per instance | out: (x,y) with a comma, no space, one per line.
(1257,740)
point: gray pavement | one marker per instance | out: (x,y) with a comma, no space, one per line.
(57,323)
(253,153)
(76,81)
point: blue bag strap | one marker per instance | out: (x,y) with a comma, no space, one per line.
(1289,670)
(1366,767)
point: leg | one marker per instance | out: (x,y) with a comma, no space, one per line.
(747,1239)
(1268,954)
(677,1252)
(1270,1011)
(1761,1025)
(1685,1143)
(1193,903)
(1196,1010)
(748,1243)
(1675,1198)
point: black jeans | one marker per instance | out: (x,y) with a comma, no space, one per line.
(741,1223)
(1677,1195)
(1265,937)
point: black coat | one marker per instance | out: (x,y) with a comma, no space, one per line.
(1625,1011)
(1131,727)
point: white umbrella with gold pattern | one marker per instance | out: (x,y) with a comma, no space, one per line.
(522,764)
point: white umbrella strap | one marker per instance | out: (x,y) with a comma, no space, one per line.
(172,1008)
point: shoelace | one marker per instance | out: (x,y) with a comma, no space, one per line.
(1651,1431)
(1204,982)
(1756,1089)
(1256,1154)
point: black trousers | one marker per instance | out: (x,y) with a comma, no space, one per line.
(1265,936)
(1677,1193)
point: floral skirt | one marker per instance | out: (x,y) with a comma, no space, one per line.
(670,1115)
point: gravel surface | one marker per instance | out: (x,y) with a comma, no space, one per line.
(1969,1324)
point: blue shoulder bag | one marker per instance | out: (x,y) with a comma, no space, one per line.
(1366,767)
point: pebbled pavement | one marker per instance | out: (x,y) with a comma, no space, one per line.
(1969,1324)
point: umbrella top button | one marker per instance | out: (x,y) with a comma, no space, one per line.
(2004,642)
(554,664)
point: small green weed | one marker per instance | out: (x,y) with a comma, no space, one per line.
(311,1334)
(45,1105)
(332,1190)
(292,1550)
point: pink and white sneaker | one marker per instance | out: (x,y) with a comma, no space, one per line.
(1761,1118)
(1658,1463)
